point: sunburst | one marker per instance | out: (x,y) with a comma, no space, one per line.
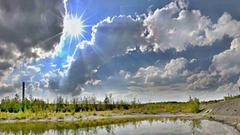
(74,26)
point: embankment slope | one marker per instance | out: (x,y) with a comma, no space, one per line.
(225,111)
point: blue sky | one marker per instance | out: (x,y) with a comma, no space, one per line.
(152,50)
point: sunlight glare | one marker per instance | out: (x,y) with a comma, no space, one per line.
(73,26)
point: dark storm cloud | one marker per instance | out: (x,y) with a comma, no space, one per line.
(80,71)
(28,29)
(4,65)
(9,55)
(5,89)
(27,23)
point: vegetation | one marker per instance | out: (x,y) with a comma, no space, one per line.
(38,109)
(230,97)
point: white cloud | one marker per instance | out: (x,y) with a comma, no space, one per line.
(224,70)
(93,82)
(154,75)
(227,63)
(202,81)
(148,75)
(174,71)
(175,68)
(176,27)
(231,88)
(226,25)
(33,68)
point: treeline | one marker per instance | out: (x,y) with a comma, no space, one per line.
(60,105)
(16,105)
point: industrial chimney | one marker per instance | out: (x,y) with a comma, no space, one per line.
(23,96)
(23,91)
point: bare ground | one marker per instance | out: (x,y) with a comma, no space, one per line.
(227,112)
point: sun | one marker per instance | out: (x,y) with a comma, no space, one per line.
(74,26)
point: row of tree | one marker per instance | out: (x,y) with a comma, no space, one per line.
(60,105)
(91,104)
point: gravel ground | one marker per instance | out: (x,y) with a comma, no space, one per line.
(227,112)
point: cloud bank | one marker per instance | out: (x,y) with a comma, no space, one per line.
(164,39)
(174,26)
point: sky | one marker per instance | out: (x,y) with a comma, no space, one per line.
(151,50)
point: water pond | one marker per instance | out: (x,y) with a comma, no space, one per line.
(144,127)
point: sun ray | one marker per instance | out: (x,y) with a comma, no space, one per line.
(50,38)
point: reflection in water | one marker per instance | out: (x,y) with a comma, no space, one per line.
(146,127)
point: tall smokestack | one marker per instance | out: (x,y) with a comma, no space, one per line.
(23,91)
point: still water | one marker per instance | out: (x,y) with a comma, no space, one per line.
(156,127)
